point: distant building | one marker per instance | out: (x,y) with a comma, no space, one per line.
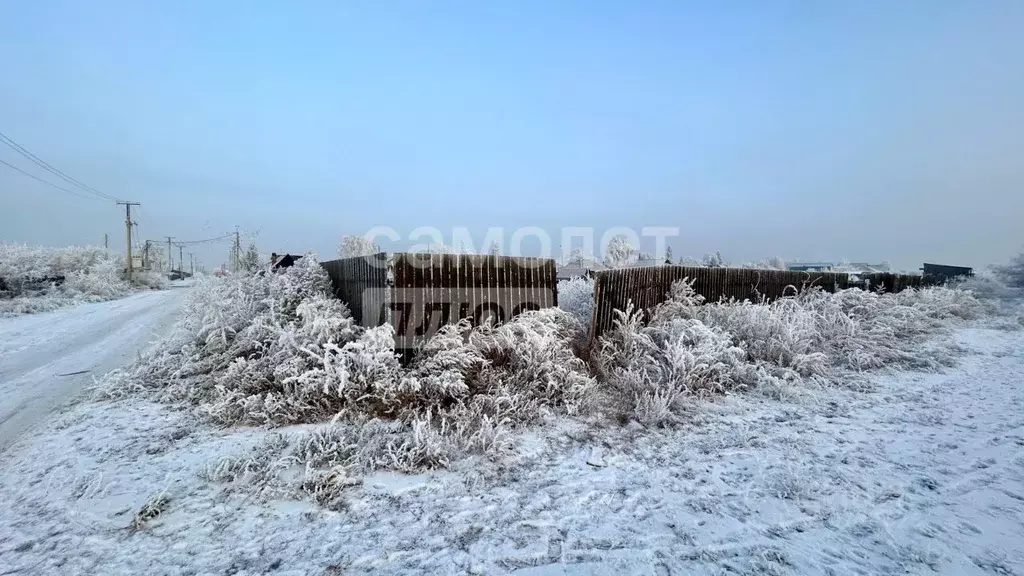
(647,262)
(283,260)
(850,267)
(579,268)
(811,266)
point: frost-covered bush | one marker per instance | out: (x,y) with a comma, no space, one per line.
(38,278)
(275,349)
(151,279)
(986,285)
(1012,273)
(576,296)
(657,367)
(815,337)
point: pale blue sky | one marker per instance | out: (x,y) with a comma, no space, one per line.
(859,130)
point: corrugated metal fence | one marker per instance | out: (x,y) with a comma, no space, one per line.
(648,287)
(890,282)
(361,283)
(432,290)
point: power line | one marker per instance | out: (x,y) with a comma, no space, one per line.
(193,242)
(50,184)
(49,168)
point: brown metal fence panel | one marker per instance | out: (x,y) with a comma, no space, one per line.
(648,287)
(360,283)
(432,290)
(889,282)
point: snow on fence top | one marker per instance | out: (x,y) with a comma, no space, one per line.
(429,291)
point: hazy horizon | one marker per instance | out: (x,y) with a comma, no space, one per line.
(858,131)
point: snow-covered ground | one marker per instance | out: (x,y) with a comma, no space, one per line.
(46,359)
(922,473)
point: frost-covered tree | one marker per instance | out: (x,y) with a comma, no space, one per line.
(250,261)
(577,257)
(494,249)
(690,261)
(351,246)
(668,255)
(619,252)
(714,260)
(1012,273)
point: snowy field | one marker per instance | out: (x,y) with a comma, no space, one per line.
(918,473)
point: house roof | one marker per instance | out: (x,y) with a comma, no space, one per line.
(645,263)
(567,272)
(585,263)
(792,265)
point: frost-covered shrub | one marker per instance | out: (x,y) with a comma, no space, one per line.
(246,345)
(657,367)
(150,279)
(688,347)
(1012,273)
(275,349)
(38,279)
(984,285)
(576,296)
(101,281)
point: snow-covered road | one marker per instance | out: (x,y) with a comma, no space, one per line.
(46,359)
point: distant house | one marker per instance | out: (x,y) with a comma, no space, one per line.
(811,266)
(848,267)
(579,268)
(865,268)
(587,267)
(283,260)
(647,262)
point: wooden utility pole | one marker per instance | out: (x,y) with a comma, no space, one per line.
(191,265)
(170,260)
(181,260)
(128,229)
(106,241)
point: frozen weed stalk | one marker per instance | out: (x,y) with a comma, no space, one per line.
(154,507)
